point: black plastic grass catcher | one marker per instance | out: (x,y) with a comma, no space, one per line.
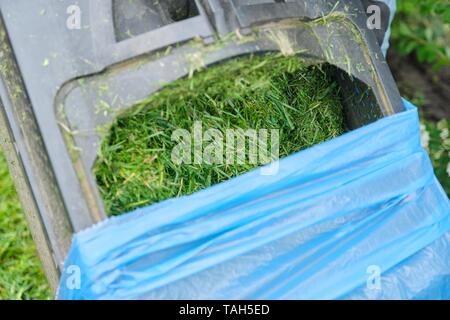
(62,82)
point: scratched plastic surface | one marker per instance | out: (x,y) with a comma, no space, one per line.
(367,199)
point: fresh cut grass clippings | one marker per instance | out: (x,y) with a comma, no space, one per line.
(270,92)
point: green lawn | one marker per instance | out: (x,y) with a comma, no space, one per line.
(21,275)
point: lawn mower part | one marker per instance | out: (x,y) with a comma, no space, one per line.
(66,70)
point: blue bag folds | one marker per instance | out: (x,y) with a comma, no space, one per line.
(360,216)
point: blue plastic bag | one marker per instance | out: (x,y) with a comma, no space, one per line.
(360,216)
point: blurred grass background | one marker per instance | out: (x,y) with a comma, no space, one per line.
(21,275)
(420,62)
(420,41)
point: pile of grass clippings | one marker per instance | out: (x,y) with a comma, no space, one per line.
(135,167)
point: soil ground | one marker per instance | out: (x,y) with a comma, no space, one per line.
(417,81)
